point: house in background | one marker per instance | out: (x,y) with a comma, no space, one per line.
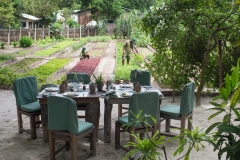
(84,16)
(29,21)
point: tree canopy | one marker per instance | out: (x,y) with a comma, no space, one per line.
(186,35)
(6,11)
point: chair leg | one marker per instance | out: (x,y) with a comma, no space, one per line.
(168,123)
(74,147)
(189,123)
(20,125)
(117,135)
(33,127)
(119,110)
(183,122)
(68,145)
(37,119)
(51,146)
(93,142)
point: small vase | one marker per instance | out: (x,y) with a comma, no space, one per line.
(134,85)
(66,83)
(100,87)
(138,88)
(92,88)
(62,87)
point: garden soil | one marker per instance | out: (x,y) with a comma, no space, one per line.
(15,146)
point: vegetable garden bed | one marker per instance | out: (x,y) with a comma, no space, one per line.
(86,65)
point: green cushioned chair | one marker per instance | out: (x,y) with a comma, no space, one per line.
(86,77)
(64,124)
(182,112)
(26,91)
(141,76)
(148,103)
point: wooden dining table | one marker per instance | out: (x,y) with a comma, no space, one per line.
(121,99)
(92,109)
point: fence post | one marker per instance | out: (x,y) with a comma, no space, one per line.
(80,31)
(95,31)
(9,35)
(67,31)
(20,33)
(88,31)
(35,33)
(49,31)
(74,32)
(43,32)
(29,33)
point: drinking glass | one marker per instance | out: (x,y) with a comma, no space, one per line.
(70,83)
(81,80)
(121,81)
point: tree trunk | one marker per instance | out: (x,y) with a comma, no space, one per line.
(173,98)
(202,80)
(220,62)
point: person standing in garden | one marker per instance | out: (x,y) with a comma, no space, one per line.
(127,48)
(84,54)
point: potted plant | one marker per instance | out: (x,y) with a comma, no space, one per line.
(99,82)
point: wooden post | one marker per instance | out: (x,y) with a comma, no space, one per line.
(20,33)
(35,33)
(29,33)
(88,31)
(9,35)
(43,32)
(49,30)
(74,32)
(80,31)
(68,32)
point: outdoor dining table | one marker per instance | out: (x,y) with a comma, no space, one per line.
(92,109)
(121,99)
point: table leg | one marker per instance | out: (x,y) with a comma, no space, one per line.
(44,120)
(107,121)
(93,115)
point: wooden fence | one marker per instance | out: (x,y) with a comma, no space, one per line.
(12,35)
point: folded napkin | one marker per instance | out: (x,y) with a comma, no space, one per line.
(109,94)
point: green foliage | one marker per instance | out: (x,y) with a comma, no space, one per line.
(186,47)
(2,45)
(54,49)
(98,39)
(147,147)
(98,79)
(7,76)
(226,138)
(5,57)
(25,41)
(15,44)
(45,70)
(78,45)
(22,66)
(194,139)
(138,59)
(123,72)
(72,23)
(101,27)
(7,13)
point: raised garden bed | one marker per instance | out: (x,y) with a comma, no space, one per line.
(86,65)
(22,66)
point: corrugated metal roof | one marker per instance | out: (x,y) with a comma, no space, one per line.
(30,17)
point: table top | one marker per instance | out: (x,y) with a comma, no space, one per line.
(54,91)
(127,90)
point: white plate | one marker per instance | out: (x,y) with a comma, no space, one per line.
(52,89)
(70,94)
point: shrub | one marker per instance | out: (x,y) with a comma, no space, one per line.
(25,41)
(15,44)
(2,45)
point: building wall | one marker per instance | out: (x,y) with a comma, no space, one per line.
(81,17)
